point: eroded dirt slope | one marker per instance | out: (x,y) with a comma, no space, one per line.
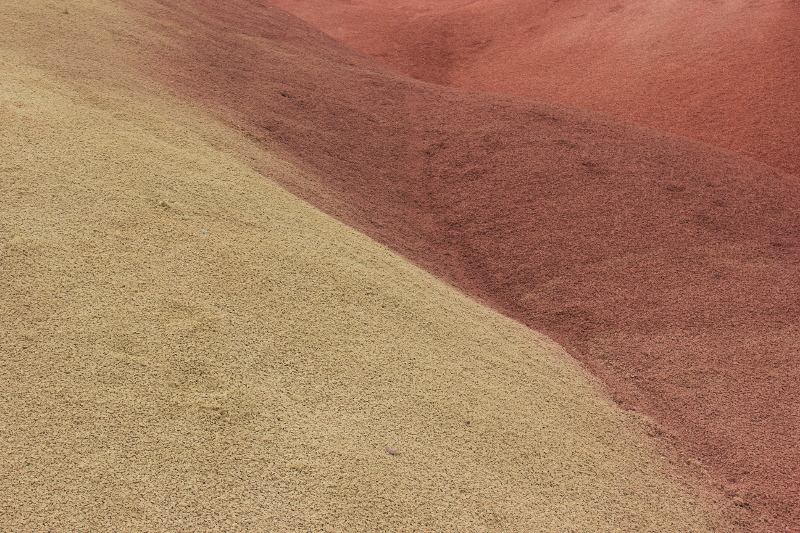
(184,346)
(667,266)
(722,72)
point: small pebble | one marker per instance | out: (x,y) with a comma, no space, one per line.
(466,422)
(391,451)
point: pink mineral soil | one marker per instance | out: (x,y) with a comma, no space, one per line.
(723,72)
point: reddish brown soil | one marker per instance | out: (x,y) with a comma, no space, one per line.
(668,267)
(723,72)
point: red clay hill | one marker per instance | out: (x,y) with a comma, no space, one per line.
(725,72)
(668,267)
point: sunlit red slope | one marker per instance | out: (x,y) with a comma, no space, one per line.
(668,267)
(726,72)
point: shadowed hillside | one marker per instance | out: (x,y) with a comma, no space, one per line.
(666,266)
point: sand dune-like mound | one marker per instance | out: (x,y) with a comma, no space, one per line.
(722,72)
(184,346)
(667,266)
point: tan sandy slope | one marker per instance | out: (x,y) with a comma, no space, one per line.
(186,347)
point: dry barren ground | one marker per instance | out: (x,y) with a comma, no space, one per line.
(667,266)
(723,72)
(184,346)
